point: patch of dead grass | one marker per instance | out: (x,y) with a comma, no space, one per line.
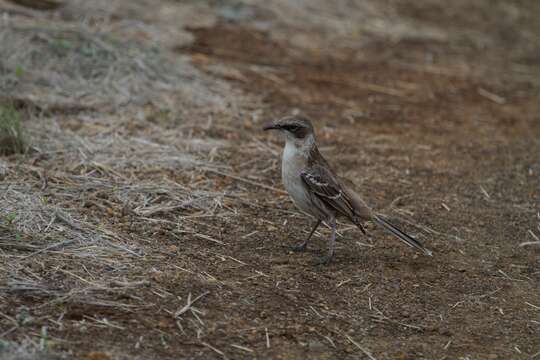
(117,129)
(76,69)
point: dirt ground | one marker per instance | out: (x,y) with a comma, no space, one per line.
(431,110)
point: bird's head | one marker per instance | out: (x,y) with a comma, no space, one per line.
(295,127)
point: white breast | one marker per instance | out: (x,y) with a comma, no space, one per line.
(293,163)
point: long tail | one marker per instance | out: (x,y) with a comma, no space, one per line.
(407,239)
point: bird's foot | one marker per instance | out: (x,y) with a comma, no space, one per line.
(300,247)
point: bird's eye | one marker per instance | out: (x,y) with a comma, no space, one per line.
(293,128)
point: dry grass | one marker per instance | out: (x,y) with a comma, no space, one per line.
(66,69)
(117,152)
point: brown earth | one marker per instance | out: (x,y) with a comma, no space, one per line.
(445,139)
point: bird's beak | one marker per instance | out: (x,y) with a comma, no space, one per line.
(271,126)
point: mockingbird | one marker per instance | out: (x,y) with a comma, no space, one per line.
(317,191)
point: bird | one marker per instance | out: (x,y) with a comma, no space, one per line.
(317,191)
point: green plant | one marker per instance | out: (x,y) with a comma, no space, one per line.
(19,71)
(11,133)
(10,217)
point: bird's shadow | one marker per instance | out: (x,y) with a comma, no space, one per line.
(348,255)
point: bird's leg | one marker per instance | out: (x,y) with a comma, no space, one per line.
(362,228)
(303,245)
(326,259)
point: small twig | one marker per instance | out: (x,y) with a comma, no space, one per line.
(242,348)
(83,279)
(19,246)
(105,322)
(367,353)
(267,338)
(343,282)
(316,312)
(491,96)
(214,349)
(234,259)
(529,243)
(508,276)
(359,243)
(206,237)
(484,192)
(328,339)
(194,313)
(189,304)
(250,234)
(380,317)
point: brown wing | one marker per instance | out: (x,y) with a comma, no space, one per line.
(324,185)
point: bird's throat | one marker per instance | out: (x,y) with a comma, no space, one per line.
(298,147)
